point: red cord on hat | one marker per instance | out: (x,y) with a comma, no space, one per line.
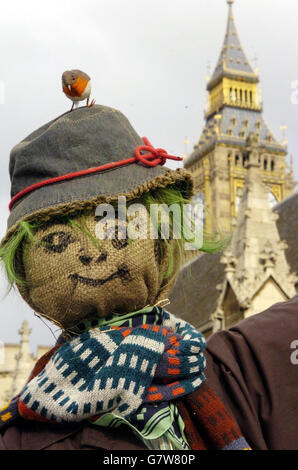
(153,158)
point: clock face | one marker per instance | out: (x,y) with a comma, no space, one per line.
(272,199)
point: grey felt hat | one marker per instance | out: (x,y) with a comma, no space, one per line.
(72,143)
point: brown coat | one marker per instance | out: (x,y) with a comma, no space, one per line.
(248,366)
(29,435)
(251,370)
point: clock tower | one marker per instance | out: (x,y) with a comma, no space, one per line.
(233,112)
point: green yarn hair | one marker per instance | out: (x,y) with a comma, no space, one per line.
(169,196)
(11,250)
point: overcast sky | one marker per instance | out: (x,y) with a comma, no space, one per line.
(147,58)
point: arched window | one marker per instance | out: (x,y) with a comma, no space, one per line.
(236,160)
(245,158)
(265,163)
(241,96)
(272,165)
(250,95)
(245,94)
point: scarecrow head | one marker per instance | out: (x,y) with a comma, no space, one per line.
(69,245)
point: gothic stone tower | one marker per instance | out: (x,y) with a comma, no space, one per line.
(218,161)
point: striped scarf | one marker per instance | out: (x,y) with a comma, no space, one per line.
(129,370)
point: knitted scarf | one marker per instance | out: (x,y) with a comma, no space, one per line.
(132,370)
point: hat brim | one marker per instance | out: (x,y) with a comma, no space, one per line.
(86,192)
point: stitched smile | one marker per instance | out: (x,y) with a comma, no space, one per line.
(121,273)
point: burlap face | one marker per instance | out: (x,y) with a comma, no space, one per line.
(70,277)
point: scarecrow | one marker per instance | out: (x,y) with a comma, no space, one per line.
(122,362)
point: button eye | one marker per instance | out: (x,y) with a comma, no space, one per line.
(57,242)
(86,260)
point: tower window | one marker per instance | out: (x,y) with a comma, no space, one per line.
(265,164)
(250,96)
(241,96)
(272,165)
(230,131)
(245,94)
(245,158)
(236,94)
(236,160)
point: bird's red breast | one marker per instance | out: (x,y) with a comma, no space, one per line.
(77,88)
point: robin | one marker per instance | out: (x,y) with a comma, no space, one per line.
(77,87)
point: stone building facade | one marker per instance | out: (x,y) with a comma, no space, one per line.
(16,363)
(258,268)
(246,187)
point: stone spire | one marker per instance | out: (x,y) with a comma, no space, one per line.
(23,360)
(232,58)
(256,266)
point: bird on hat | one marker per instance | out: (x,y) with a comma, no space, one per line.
(76,86)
